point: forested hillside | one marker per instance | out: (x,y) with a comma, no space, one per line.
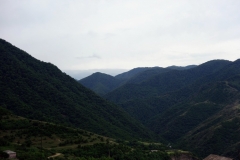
(35,140)
(218,133)
(194,107)
(189,107)
(39,90)
(209,119)
(164,82)
(102,83)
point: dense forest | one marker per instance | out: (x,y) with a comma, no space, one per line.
(39,90)
(187,105)
(35,140)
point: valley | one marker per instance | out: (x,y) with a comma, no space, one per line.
(184,106)
(144,113)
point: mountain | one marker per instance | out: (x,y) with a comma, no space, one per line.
(164,82)
(39,90)
(34,140)
(170,88)
(182,68)
(147,74)
(156,94)
(212,102)
(31,139)
(220,132)
(129,74)
(207,123)
(197,109)
(100,83)
(80,74)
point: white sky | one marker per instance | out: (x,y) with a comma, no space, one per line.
(123,34)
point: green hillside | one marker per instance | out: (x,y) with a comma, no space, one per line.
(102,83)
(164,82)
(166,88)
(195,108)
(220,132)
(147,74)
(188,107)
(39,90)
(207,121)
(38,140)
(33,139)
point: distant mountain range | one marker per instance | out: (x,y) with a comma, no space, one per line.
(80,74)
(102,83)
(195,107)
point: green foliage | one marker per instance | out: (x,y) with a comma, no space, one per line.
(3,141)
(29,133)
(26,153)
(220,139)
(197,108)
(181,105)
(27,137)
(39,90)
(118,152)
(164,82)
(31,154)
(4,112)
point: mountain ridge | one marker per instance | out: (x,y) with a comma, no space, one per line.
(164,82)
(199,105)
(100,84)
(178,104)
(105,83)
(39,90)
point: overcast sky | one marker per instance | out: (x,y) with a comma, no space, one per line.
(123,34)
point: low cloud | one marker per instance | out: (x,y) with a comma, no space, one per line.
(94,56)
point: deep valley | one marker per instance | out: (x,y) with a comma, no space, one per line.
(144,113)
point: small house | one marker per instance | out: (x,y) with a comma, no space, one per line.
(216,157)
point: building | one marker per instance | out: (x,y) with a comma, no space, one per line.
(216,157)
